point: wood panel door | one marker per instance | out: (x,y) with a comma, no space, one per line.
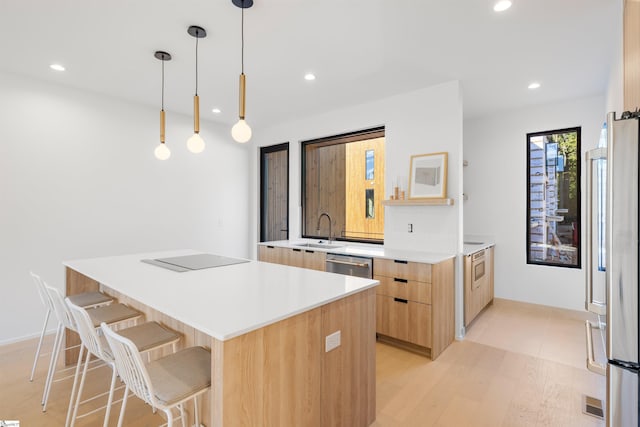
(274,193)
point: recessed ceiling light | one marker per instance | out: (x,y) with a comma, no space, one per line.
(501,5)
(216,111)
(534,85)
(309,76)
(57,67)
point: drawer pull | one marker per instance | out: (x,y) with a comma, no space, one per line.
(400,261)
(310,252)
(404,301)
(297,250)
(270,247)
(396,279)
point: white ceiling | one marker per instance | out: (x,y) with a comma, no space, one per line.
(360,50)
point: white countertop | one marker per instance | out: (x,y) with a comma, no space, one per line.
(366,250)
(473,246)
(223,302)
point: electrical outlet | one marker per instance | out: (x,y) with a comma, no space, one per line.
(410,228)
(332,341)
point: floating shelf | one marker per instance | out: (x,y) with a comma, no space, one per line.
(419,202)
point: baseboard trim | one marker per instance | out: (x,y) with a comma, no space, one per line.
(564,312)
(25,338)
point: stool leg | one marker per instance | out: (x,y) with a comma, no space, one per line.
(78,398)
(124,405)
(195,409)
(44,329)
(75,385)
(52,365)
(110,401)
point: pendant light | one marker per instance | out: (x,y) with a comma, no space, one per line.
(162,152)
(241,132)
(195,144)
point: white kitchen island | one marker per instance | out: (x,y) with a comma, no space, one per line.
(266,326)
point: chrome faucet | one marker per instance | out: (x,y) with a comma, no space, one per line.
(318,226)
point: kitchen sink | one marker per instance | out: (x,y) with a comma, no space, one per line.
(318,245)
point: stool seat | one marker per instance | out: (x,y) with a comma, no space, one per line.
(180,375)
(147,336)
(111,314)
(90,299)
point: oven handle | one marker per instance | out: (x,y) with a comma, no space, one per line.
(598,368)
(354,264)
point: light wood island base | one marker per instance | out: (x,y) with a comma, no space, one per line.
(280,374)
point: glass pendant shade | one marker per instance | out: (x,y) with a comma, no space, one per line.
(162,152)
(241,132)
(195,144)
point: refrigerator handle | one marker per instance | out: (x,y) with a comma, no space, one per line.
(598,368)
(590,305)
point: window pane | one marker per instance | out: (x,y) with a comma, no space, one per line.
(553,202)
(369,165)
(369,202)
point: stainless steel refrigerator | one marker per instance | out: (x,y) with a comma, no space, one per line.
(614,234)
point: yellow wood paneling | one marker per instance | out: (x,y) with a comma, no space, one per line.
(356,184)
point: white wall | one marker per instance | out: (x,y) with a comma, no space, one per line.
(615,84)
(78,179)
(423,121)
(495,182)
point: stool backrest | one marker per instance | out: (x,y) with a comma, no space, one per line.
(42,291)
(129,365)
(60,308)
(88,333)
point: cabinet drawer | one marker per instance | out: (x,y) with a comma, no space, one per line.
(405,289)
(402,269)
(404,320)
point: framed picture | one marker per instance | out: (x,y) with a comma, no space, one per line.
(428,178)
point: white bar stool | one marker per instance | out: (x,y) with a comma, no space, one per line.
(110,314)
(166,383)
(87,299)
(146,337)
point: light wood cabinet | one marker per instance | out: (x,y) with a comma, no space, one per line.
(293,257)
(273,254)
(415,304)
(478,291)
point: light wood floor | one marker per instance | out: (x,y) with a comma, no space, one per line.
(520,365)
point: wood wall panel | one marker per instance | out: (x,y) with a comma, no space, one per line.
(631,55)
(276,190)
(325,189)
(356,184)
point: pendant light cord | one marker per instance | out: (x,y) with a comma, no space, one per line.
(197,65)
(162,85)
(242,38)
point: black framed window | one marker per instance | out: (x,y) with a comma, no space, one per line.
(343,176)
(553,198)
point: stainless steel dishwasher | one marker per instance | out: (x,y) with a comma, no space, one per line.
(350,265)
